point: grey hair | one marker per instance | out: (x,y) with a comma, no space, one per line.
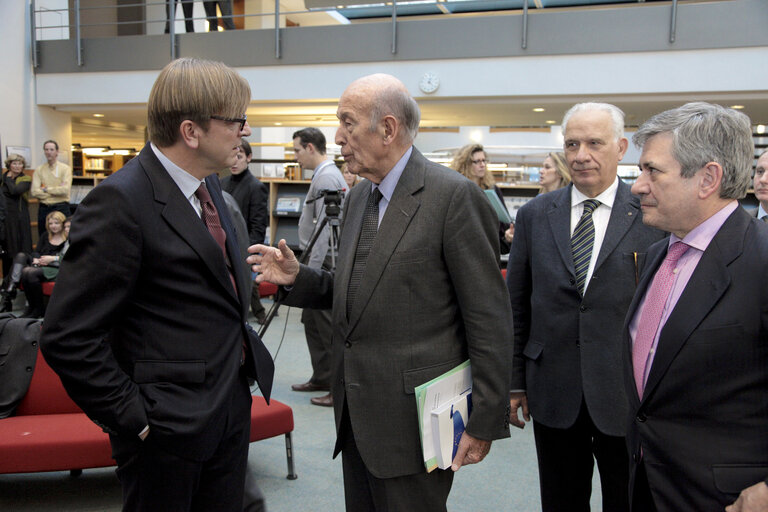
(617,115)
(398,103)
(703,133)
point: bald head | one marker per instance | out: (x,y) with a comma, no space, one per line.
(383,95)
(378,120)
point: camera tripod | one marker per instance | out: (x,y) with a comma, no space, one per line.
(332,199)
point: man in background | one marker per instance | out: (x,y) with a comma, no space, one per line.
(572,271)
(148,325)
(417,290)
(696,337)
(51,184)
(252,197)
(760,184)
(309,148)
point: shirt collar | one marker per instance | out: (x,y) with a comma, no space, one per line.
(187,183)
(606,197)
(388,184)
(761,211)
(700,236)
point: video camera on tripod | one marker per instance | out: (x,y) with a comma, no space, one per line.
(332,200)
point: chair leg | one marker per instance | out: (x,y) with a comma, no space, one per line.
(289,454)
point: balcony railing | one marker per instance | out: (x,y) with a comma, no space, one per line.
(90,19)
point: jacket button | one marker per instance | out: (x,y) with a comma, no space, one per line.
(634,457)
(29,368)
(347,344)
(582,308)
(641,418)
(572,281)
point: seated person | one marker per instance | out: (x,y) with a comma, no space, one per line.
(40,266)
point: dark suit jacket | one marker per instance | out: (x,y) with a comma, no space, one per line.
(18,353)
(431,297)
(144,326)
(568,348)
(252,197)
(703,420)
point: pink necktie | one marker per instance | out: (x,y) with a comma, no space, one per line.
(650,316)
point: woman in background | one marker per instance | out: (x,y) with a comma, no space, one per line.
(350,178)
(472,162)
(18,234)
(42,265)
(554,173)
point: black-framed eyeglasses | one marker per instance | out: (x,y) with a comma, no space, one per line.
(241,120)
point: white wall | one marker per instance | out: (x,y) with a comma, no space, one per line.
(23,123)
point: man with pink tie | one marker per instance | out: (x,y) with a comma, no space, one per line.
(696,334)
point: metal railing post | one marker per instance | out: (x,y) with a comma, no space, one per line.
(33,34)
(673,23)
(171,9)
(277,29)
(78,38)
(525,24)
(394,27)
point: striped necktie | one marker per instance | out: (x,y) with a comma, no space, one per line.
(364,244)
(582,241)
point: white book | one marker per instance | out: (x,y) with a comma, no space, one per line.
(448,424)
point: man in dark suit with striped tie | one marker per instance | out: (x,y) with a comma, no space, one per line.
(572,271)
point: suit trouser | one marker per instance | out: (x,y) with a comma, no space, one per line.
(318,329)
(156,480)
(642,499)
(226,14)
(566,464)
(363,492)
(187,6)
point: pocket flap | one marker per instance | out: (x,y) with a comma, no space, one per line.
(418,376)
(734,478)
(182,372)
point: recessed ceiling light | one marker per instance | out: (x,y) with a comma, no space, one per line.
(550,121)
(760,129)
(98,115)
(737,107)
(539,109)
(278,124)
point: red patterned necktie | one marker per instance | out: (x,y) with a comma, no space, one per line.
(213,223)
(650,316)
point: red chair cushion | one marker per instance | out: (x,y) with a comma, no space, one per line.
(269,420)
(58,442)
(267,289)
(48,287)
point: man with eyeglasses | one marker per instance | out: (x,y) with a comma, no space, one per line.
(148,328)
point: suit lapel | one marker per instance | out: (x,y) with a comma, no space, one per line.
(626,209)
(180,215)
(398,216)
(707,285)
(559,215)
